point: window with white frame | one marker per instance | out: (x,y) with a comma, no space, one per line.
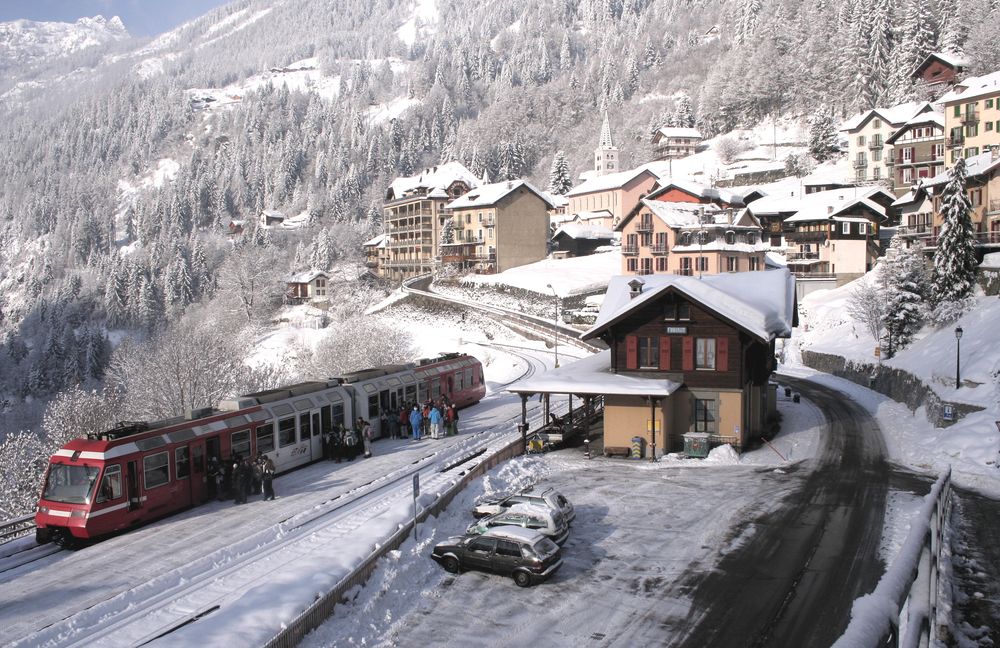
(862,228)
(845,228)
(704,356)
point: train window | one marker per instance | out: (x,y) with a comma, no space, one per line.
(70,484)
(111,485)
(182,465)
(304,430)
(435,386)
(468,377)
(338,414)
(373,406)
(327,421)
(411,394)
(155,470)
(265,437)
(458,380)
(286,432)
(240,443)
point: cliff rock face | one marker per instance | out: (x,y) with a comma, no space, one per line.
(24,42)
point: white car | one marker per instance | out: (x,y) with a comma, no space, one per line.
(549,497)
(543,519)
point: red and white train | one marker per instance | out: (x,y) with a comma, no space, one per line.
(138,472)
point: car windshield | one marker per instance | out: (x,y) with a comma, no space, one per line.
(70,484)
(543,548)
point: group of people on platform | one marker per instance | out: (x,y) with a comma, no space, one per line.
(343,443)
(437,419)
(241,478)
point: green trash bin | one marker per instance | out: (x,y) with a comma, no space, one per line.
(696,444)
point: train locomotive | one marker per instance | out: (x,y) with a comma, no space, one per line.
(141,471)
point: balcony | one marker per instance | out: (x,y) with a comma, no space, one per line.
(889,161)
(658,249)
(994,205)
(969,117)
(860,164)
(802,256)
(687,272)
(875,144)
(644,226)
(955,141)
(807,237)
(630,250)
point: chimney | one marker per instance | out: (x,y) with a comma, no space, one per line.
(635,288)
(829,209)
(729,215)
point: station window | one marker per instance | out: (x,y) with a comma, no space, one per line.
(649,352)
(265,437)
(704,353)
(155,469)
(704,415)
(182,463)
(286,432)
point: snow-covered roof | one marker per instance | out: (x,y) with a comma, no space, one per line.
(305,277)
(809,215)
(554,199)
(819,202)
(973,87)
(678,131)
(607,182)
(905,199)
(491,194)
(893,115)
(378,241)
(593,375)
(974,166)
(680,214)
(697,189)
(581,231)
(438,177)
(935,117)
(761,303)
(599,214)
(272,213)
(991,261)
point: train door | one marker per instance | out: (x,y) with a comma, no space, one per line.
(310,435)
(213,448)
(132,486)
(199,474)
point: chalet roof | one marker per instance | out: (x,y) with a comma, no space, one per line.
(305,277)
(948,58)
(894,115)
(678,131)
(581,231)
(491,194)
(930,117)
(592,375)
(820,201)
(697,189)
(608,182)
(759,303)
(817,214)
(973,88)
(378,241)
(438,177)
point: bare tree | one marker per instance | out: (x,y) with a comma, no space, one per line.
(76,412)
(867,305)
(359,343)
(250,282)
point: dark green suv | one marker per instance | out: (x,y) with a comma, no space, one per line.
(524,554)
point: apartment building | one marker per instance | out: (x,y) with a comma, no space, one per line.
(916,151)
(972,116)
(866,140)
(672,142)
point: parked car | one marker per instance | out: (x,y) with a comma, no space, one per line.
(549,497)
(524,554)
(529,516)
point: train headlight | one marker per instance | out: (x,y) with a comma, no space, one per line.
(43,509)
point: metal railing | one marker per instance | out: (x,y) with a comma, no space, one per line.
(630,250)
(17,527)
(903,609)
(970,116)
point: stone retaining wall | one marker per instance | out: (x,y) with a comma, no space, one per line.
(899,385)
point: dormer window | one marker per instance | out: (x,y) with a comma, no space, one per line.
(730,237)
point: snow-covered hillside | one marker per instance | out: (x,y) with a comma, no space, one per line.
(23,42)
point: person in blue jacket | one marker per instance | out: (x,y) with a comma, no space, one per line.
(436,419)
(416,421)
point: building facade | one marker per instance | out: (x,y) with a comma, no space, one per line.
(972,116)
(413,215)
(916,151)
(617,194)
(497,227)
(672,142)
(842,244)
(866,140)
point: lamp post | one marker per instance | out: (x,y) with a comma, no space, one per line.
(555,331)
(958,357)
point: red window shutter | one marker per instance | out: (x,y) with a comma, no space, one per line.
(665,353)
(631,352)
(687,353)
(722,354)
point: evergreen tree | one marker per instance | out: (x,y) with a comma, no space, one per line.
(878,61)
(683,115)
(903,283)
(954,275)
(447,234)
(559,177)
(823,142)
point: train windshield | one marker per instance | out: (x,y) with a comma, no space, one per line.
(70,484)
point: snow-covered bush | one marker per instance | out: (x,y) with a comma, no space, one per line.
(360,343)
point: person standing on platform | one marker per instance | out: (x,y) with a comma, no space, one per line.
(416,421)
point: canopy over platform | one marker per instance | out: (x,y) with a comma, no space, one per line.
(592,376)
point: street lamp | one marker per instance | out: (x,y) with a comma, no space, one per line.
(555,331)
(958,357)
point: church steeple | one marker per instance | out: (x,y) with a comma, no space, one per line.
(606,153)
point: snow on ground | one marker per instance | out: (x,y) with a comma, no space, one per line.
(387,111)
(972,445)
(422,22)
(573,276)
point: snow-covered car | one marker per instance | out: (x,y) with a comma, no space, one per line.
(549,497)
(523,554)
(543,519)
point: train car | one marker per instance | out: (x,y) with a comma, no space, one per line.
(135,473)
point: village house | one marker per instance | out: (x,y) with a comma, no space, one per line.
(670,190)
(413,214)
(866,140)
(579,239)
(939,69)
(498,226)
(271,218)
(672,142)
(686,357)
(306,286)
(376,253)
(972,116)
(690,239)
(917,150)
(616,194)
